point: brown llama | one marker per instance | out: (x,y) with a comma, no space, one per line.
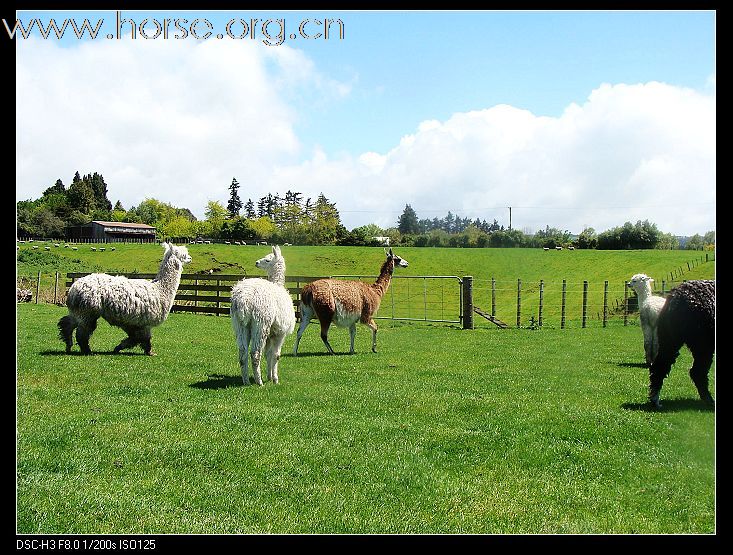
(345,302)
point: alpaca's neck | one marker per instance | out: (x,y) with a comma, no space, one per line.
(276,274)
(168,279)
(644,292)
(385,276)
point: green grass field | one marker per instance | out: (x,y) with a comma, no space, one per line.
(442,431)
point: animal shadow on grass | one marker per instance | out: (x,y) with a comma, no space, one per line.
(219,381)
(633,365)
(671,405)
(79,354)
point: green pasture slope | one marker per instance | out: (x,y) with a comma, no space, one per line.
(436,299)
(442,431)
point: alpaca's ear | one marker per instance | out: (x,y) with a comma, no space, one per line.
(165,246)
(276,250)
(390,253)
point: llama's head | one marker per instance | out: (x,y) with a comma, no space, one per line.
(640,282)
(268,262)
(179,254)
(398,261)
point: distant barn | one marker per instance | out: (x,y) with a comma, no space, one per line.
(109,232)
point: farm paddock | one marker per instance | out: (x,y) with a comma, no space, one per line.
(442,431)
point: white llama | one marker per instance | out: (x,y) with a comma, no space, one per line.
(262,314)
(135,305)
(649,307)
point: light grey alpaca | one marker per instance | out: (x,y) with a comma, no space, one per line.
(649,308)
(262,314)
(135,305)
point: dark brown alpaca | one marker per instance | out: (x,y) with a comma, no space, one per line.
(345,303)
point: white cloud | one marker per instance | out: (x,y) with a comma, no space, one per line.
(630,152)
(173,121)
(177,120)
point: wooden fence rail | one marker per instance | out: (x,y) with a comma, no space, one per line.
(447,299)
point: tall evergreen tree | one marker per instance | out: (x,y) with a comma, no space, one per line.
(235,203)
(249,210)
(408,222)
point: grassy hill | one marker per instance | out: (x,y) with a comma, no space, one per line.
(411,296)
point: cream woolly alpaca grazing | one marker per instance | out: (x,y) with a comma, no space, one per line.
(345,303)
(649,307)
(262,314)
(135,305)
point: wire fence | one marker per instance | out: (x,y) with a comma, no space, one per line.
(468,301)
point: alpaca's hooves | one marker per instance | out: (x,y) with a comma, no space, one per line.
(150,353)
(655,404)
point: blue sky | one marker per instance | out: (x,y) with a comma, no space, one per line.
(354,115)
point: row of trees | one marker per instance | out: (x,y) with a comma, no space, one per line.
(454,231)
(297,220)
(287,219)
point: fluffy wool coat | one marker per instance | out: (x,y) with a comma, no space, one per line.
(135,305)
(262,317)
(687,318)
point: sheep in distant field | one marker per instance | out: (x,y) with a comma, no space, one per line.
(263,315)
(135,305)
(23,295)
(649,307)
(687,318)
(345,302)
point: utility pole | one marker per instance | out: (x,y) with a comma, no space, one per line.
(510,217)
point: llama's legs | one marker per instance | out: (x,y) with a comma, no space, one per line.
(66,330)
(659,370)
(649,344)
(352,336)
(655,345)
(324,335)
(274,347)
(373,325)
(306,313)
(126,343)
(243,343)
(258,344)
(83,332)
(703,359)
(130,341)
(145,341)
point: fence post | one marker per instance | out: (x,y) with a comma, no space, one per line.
(218,293)
(55,287)
(542,294)
(664,286)
(38,286)
(605,303)
(585,301)
(562,306)
(626,303)
(519,302)
(493,297)
(467,302)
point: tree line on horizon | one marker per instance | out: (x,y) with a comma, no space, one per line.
(293,219)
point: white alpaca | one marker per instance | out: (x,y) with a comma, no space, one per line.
(649,307)
(262,313)
(135,305)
